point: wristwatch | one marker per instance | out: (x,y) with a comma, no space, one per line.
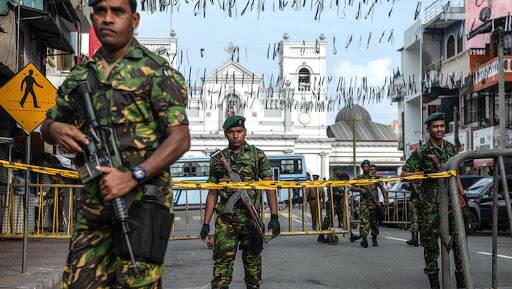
(139,174)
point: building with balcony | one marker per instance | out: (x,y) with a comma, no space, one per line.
(449,71)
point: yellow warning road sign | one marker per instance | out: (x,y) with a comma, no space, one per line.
(27,97)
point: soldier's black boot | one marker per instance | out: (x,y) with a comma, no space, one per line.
(364,242)
(459,277)
(354,238)
(434,281)
(374,241)
(414,239)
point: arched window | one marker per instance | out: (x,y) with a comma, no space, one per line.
(450,47)
(460,44)
(304,80)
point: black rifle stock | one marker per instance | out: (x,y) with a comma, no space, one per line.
(96,153)
(242,194)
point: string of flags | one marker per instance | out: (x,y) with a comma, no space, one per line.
(362,9)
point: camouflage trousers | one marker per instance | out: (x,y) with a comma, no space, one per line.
(91,262)
(369,219)
(231,232)
(414,226)
(338,212)
(430,232)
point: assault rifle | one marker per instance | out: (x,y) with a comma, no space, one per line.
(241,195)
(96,153)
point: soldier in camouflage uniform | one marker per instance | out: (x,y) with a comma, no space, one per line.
(429,158)
(143,100)
(414,226)
(337,201)
(233,231)
(369,206)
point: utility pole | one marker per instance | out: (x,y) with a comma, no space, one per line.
(354,146)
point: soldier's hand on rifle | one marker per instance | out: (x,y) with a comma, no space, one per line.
(205,230)
(67,136)
(115,183)
(274,225)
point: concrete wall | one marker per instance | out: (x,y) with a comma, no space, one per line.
(499,8)
(8,40)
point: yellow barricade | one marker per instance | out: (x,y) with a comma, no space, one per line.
(50,204)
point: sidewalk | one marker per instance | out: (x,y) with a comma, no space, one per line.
(45,261)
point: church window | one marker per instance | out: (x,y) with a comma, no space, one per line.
(304,80)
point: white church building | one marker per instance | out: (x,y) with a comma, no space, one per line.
(278,121)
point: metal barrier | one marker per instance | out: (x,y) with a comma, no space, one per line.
(398,210)
(51,214)
(298,220)
(50,202)
(453,164)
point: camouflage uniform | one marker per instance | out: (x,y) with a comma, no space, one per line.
(337,201)
(368,208)
(428,205)
(234,230)
(414,226)
(140,98)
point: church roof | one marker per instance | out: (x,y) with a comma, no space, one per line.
(229,67)
(359,118)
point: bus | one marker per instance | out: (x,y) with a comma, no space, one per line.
(290,167)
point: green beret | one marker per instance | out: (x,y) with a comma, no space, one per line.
(365,162)
(234,121)
(434,116)
(92,2)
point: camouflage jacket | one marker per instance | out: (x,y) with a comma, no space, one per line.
(422,160)
(140,98)
(250,163)
(373,189)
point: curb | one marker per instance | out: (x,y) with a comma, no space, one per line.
(50,282)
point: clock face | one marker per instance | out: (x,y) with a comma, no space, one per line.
(304,118)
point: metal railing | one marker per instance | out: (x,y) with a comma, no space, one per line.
(55,208)
(437,7)
(298,221)
(453,163)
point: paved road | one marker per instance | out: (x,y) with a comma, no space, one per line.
(289,262)
(302,263)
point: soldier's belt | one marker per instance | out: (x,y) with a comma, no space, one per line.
(255,185)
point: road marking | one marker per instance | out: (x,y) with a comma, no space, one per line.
(196,218)
(489,254)
(177,218)
(396,239)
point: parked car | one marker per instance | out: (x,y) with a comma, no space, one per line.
(480,196)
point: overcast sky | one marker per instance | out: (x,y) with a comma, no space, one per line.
(254,34)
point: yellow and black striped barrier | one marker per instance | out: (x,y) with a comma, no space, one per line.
(259,185)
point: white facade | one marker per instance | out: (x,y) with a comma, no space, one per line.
(273,122)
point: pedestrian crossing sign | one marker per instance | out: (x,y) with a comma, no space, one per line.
(27,97)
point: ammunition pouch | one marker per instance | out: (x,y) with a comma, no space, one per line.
(150,234)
